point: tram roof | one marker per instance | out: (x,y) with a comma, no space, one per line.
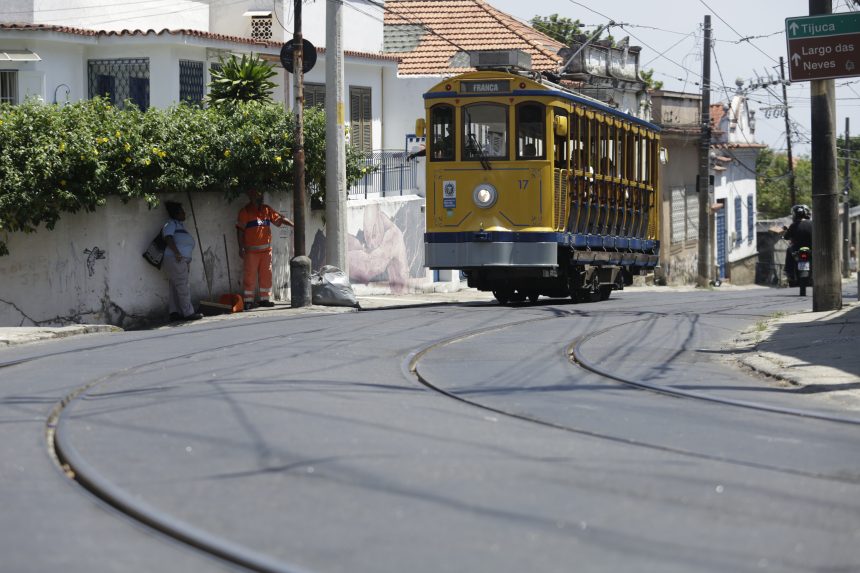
(544,91)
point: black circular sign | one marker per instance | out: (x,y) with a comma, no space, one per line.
(309,56)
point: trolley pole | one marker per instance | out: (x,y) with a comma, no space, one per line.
(827,292)
(335,152)
(703,180)
(300,291)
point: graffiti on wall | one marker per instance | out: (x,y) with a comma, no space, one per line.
(93,255)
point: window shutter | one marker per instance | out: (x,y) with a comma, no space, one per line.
(367,122)
(354,118)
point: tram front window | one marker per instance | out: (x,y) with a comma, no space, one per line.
(442,133)
(485,133)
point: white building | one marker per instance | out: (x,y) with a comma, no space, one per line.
(733,164)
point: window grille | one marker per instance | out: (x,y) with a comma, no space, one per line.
(120,80)
(738,218)
(8,86)
(679,214)
(191,81)
(692,213)
(750,219)
(261,27)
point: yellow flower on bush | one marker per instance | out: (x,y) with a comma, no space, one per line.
(162,154)
(155,151)
(257,141)
(62,146)
(127,146)
(118,134)
(226,153)
(146,161)
(95,151)
(278,158)
(128,159)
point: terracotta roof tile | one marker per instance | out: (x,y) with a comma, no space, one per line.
(178,32)
(427,34)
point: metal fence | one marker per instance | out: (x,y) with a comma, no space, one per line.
(388,174)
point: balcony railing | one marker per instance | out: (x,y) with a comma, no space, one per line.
(393,175)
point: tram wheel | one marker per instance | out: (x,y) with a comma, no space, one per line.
(502,296)
(605,292)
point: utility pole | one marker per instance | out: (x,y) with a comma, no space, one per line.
(703,180)
(792,184)
(827,292)
(846,190)
(335,152)
(300,267)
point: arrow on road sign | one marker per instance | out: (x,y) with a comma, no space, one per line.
(796,59)
(793,28)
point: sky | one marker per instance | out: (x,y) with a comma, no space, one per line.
(749,38)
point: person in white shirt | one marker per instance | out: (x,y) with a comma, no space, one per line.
(177,261)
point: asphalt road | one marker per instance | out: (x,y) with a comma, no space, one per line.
(553,437)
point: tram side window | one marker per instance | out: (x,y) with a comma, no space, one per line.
(442,133)
(560,152)
(485,131)
(531,131)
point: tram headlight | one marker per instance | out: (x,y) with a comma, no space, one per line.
(485,195)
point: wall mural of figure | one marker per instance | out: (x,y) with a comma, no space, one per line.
(378,252)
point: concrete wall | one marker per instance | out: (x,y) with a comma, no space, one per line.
(89,269)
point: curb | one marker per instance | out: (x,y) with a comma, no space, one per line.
(28,334)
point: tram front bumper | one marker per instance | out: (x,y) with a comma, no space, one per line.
(467,255)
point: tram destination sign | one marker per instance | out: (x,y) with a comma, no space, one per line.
(823,47)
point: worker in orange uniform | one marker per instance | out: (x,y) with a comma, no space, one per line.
(253,230)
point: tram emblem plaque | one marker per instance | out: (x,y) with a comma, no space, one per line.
(449,194)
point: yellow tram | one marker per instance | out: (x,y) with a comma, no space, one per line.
(535,190)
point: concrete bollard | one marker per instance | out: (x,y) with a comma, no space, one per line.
(300,282)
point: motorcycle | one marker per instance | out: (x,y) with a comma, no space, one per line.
(803,255)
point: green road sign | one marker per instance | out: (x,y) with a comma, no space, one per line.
(823,47)
(826,25)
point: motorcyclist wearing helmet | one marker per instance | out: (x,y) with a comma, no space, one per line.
(799,234)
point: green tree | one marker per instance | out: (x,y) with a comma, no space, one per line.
(772,183)
(247,79)
(650,82)
(557,27)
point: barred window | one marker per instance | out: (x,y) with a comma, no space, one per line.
(738,222)
(261,27)
(685,214)
(679,214)
(750,219)
(191,81)
(692,213)
(8,86)
(120,80)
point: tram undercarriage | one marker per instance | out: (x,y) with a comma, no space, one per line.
(572,278)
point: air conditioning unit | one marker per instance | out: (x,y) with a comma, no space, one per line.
(500,59)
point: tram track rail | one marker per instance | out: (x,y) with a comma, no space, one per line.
(411,369)
(75,467)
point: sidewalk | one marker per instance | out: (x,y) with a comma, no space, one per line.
(815,352)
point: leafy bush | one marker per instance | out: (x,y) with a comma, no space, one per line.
(56,160)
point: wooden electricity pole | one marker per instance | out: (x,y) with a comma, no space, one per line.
(704,178)
(827,290)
